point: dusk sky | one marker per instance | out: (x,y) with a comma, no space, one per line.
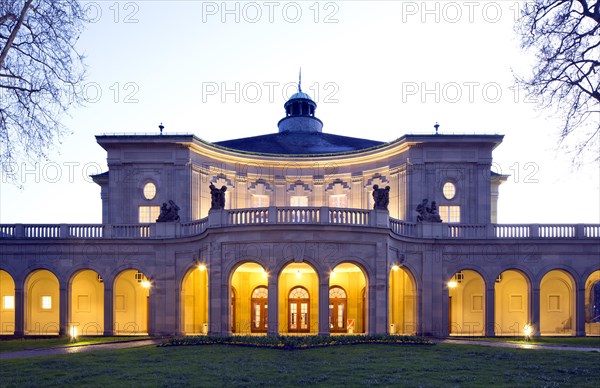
(377,70)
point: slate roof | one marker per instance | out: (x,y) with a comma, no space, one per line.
(301,143)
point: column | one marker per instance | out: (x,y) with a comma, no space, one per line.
(324,305)
(64,309)
(580,310)
(534,316)
(19,312)
(108,310)
(490,308)
(273,318)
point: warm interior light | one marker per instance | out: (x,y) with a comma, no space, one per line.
(332,274)
(145,284)
(395,267)
(298,274)
(452,284)
(201,267)
(265,274)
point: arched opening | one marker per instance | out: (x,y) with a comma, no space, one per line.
(194,301)
(299,302)
(511,300)
(402,302)
(87,303)
(246,279)
(7,304)
(347,303)
(592,304)
(557,307)
(43,303)
(466,304)
(131,300)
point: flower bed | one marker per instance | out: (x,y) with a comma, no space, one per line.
(297,342)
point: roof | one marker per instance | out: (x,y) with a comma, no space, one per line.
(301,143)
(300,95)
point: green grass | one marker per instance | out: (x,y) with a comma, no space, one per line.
(586,342)
(357,365)
(14,345)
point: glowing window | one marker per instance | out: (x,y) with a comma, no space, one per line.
(149,191)
(46,302)
(299,201)
(450,213)
(338,200)
(148,214)
(8,302)
(260,200)
(449,190)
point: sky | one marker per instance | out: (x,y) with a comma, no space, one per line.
(377,70)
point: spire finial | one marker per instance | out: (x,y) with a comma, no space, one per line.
(300,81)
(436,126)
(161,127)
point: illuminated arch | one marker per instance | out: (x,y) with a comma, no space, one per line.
(131,302)
(86,303)
(42,312)
(402,301)
(194,301)
(7,303)
(511,302)
(348,316)
(592,304)
(245,278)
(466,303)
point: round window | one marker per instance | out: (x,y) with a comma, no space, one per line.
(149,191)
(449,190)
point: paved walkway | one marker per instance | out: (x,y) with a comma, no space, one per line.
(516,345)
(137,343)
(79,349)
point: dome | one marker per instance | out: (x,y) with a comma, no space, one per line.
(300,95)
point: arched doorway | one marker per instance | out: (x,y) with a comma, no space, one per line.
(511,300)
(87,303)
(466,304)
(247,278)
(131,300)
(43,303)
(298,299)
(194,301)
(7,304)
(260,309)
(347,303)
(402,302)
(299,310)
(592,304)
(338,307)
(557,310)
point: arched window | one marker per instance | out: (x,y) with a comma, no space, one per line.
(260,312)
(299,308)
(337,309)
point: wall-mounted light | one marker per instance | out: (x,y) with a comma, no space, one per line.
(332,274)
(100,280)
(499,278)
(298,274)
(395,267)
(265,274)
(452,283)
(139,277)
(459,276)
(202,267)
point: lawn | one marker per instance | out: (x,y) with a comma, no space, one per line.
(585,342)
(357,365)
(14,345)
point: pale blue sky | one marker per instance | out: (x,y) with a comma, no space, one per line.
(377,70)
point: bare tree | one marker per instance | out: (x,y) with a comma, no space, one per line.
(40,75)
(565,36)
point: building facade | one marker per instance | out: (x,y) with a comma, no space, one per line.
(298,247)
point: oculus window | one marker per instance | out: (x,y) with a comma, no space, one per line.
(149,191)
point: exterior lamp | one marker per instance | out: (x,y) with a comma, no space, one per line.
(145,283)
(452,283)
(527,329)
(332,274)
(202,267)
(395,267)
(73,333)
(265,274)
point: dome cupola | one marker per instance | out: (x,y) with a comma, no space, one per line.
(300,113)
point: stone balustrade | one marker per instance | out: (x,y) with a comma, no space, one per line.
(301,216)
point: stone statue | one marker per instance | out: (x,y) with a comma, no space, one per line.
(169,212)
(428,213)
(217,200)
(381,197)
